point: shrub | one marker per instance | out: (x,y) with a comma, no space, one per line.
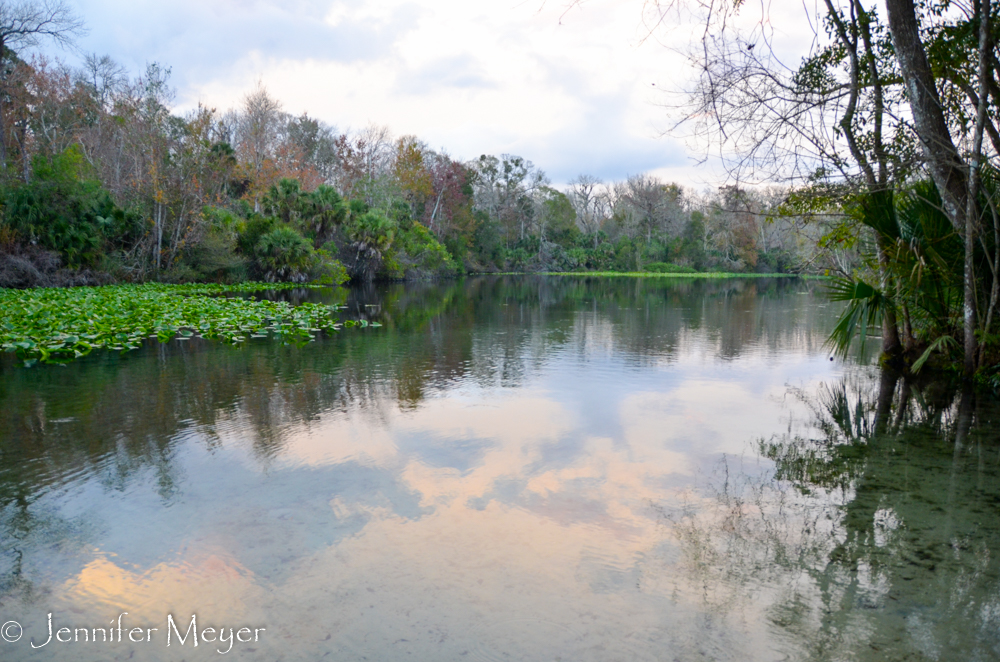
(776,261)
(667,268)
(214,258)
(327,270)
(66,210)
(419,253)
(284,255)
(249,236)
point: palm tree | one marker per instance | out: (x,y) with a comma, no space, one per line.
(326,211)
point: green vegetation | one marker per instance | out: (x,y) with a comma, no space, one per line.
(661,274)
(912,291)
(667,268)
(106,184)
(60,324)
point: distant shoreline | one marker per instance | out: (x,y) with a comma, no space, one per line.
(653,274)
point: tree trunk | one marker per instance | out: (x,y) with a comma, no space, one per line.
(3,132)
(22,142)
(159,236)
(891,345)
(969,303)
(995,288)
(972,215)
(944,162)
(437,204)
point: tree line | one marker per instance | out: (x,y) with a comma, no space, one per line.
(102,179)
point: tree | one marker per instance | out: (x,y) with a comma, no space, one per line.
(503,188)
(871,108)
(257,133)
(104,77)
(313,142)
(284,254)
(327,210)
(590,204)
(448,211)
(371,235)
(22,25)
(285,200)
(656,207)
(556,216)
(57,109)
(364,166)
(409,169)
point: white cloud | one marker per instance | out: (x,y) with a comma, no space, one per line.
(574,91)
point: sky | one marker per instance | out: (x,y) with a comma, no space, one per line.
(584,90)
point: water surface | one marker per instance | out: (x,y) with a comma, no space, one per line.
(508,469)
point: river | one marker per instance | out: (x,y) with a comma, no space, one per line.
(509,468)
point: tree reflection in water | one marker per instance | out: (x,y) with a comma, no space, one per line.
(876,537)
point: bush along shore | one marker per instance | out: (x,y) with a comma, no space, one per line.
(57,325)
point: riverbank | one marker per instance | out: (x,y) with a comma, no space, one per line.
(656,274)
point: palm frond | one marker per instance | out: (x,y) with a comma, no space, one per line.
(941,343)
(866,307)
